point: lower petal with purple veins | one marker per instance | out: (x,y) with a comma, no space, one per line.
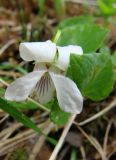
(44,90)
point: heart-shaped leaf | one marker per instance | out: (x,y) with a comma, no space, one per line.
(89,37)
(75,20)
(93,74)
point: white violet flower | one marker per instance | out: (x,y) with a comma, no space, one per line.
(48,76)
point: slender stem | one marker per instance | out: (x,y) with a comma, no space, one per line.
(103,111)
(106,137)
(7,45)
(3,82)
(39,105)
(55,39)
(83,152)
(62,138)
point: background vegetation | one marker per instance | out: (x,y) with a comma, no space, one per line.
(93,133)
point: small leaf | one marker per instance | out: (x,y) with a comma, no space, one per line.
(89,37)
(93,74)
(58,116)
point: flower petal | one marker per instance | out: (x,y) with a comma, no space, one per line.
(44,90)
(38,51)
(22,87)
(68,95)
(64,55)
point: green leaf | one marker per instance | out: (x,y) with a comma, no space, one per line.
(27,104)
(23,105)
(73,155)
(89,37)
(107,6)
(7,107)
(93,74)
(2,91)
(49,104)
(8,66)
(58,116)
(105,49)
(75,20)
(59,7)
(113,58)
(41,4)
(4,105)
(19,105)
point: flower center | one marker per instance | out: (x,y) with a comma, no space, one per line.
(43,84)
(48,67)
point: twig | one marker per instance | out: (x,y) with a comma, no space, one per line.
(9,144)
(3,82)
(4,118)
(4,134)
(2,113)
(39,105)
(12,74)
(40,142)
(12,144)
(85,2)
(7,45)
(92,141)
(103,111)
(106,137)
(112,148)
(6,10)
(63,152)
(83,152)
(62,138)
(7,23)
